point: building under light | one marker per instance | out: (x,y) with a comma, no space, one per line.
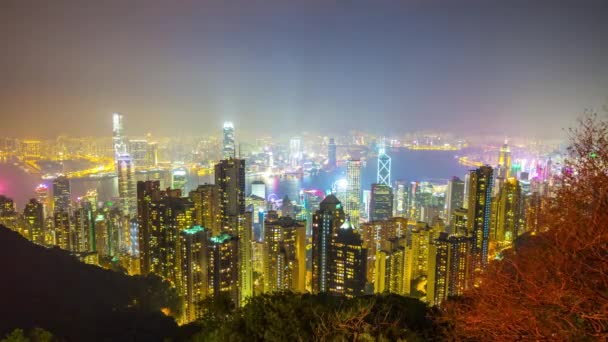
(352,200)
(229,150)
(348,266)
(384,167)
(326,221)
(478,220)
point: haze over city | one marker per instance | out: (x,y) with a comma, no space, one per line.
(498,67)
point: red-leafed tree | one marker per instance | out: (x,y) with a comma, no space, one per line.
(554,284)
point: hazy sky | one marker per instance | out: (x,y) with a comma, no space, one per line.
(185,66)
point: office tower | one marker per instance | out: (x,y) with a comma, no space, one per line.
(508,214)
(125,171)
(118,137)
(42,195)
(223,268)
(400,199)
(390,266)
(138,149)
(352,202)
(331,154)
(454,197)
(417,258)
(194,270)
(207,210)
(478,220)
(34,221)
(295,152)
(312,202)
(229,150)
(230,177)
(284,258)
(61,194)
(179,179)
(381,204)
(258,188)
(448,267)
(348,266)
(384,167)
(504,161)
(326,221)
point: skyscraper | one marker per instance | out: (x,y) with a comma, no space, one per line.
(448,267)
(384,167)
(42,195)
(331,154)
(348,266)
(454,197)
(194,269)
(352,202)
(230,177)
(125,170)
(478,221)
(61,194)
(508,214)
(118,138)
(229,150)
(381,205)
(504,161)
(295,151)
(258,188)
(207,209)
(284,256)
(34,220)
(223,266)
(326,221)
(400,198)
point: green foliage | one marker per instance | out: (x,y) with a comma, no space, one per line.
(35,335)
(287,316)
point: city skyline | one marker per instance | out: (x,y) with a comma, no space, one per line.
(469,67)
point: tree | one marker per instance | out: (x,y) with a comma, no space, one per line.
(554,284)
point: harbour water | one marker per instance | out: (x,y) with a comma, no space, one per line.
(434,166)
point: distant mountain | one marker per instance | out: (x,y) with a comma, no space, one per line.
(50,289)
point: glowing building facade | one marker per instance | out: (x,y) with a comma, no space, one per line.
(194,243)
(348,266)
(229,149)
(381,203)
(352,200)
(207,210)
(384,167)
(326,221)
(478,220)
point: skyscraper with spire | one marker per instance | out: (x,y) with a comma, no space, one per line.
(125,168)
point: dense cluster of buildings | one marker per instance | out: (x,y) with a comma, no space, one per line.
(399,237)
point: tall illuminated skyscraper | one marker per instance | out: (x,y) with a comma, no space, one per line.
(61,194)
(229,150)
(478,221)
(118,137)
(454,197)
(179,179)
(381,205)
(326,221)
(348,266)
(384,167)
(223,266)
(207,210)
(194,269)
(42,195)
(331,154)
(230,177)
(34,220)
(504,161)
(352,202)
(258,188)
(284,256)
(125,170)
(400,199)
(508,213)
(448,267)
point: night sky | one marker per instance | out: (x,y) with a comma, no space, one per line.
(183,66)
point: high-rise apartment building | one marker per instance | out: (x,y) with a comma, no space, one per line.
(478,220)
(61,194)
(348,266)
(194,243)
(326,221)
(284,256)
(508,214)
(454,197)
(33,215)
(207,210)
